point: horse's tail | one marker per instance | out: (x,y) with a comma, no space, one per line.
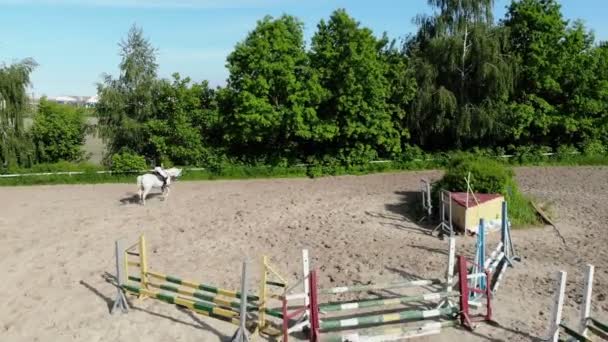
(139,182)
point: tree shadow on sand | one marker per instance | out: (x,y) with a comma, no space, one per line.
(405,214)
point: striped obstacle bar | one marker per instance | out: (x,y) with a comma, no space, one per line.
(302,316)
(356,321)
(587,324)
(270,277)
(499,259)
(229,305)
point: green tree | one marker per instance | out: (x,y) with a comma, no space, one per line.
(171,135)
(401,87)
(58,132)
(126,103)
(464,73)
(271,91)
(15,147)
(354,120)
(562,86)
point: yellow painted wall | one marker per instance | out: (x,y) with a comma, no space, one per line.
(468,219)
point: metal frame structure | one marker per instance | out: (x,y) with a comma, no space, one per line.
(445,215)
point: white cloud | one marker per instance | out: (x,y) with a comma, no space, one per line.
(148,3)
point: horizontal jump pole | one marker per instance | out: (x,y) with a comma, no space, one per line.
(493,255)
(208,298)
(200,286)
(391,334)
(602,326)
(499,274)
(574,334)
(330,307)
(361,288)
(495,262)
(336,323)
(199,307)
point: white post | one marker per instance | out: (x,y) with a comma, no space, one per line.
(306,273)
(121,301)
(451,263)
(449,285)
(586,304)
(241,334)
(556,315)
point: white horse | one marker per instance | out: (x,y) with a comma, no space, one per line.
(146,182)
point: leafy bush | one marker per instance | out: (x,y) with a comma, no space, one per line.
(531,154)
(487,176)
(567,153)
(58,132)
(125,161)
(594,148)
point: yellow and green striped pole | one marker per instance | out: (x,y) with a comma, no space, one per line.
(267,269)
(199,286)
(199,307)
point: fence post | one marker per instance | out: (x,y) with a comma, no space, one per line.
(121,301)
(143,263)
(241,333)
(556,314)
(586,304)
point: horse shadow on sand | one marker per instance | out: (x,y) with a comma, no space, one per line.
(134,198)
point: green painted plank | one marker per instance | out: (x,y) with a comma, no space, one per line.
(336,323)
(330,307)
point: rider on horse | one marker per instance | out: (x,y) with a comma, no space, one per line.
(158,170)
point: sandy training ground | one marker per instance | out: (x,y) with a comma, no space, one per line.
(57,244)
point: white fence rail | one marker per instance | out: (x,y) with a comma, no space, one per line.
(71,173)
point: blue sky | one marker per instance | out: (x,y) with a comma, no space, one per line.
(75,41)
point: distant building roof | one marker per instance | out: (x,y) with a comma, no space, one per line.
(63,99)
(93,99)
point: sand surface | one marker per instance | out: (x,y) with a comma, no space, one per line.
(56,249)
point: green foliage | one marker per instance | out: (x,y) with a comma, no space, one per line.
(594,148)
(127,102)
(487,176)
(464,72)
(172,137)
(354,119)
(58,132)
(272,92)
(526,85)
(563,84)
(16,148)
(127,161)
(531,154)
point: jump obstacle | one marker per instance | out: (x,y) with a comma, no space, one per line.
(499,259)
(427,205)
(313,316)
(227,305)
(587,324)
(445,225)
